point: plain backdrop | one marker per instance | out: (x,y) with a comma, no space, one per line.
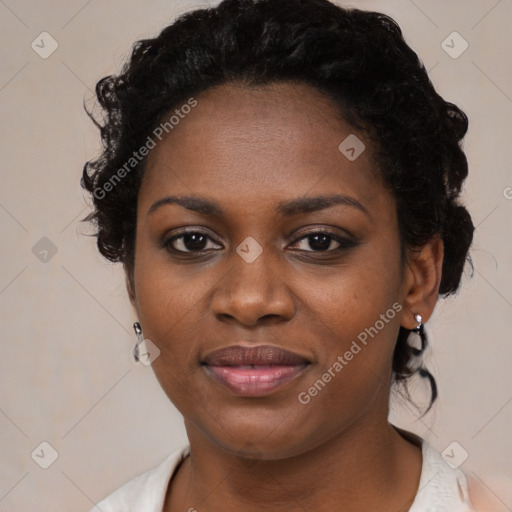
(66,370)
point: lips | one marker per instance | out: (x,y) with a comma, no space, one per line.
(254,371)
(263,355)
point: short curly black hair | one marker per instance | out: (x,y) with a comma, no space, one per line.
(358,58)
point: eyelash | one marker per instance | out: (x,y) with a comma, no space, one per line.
(344,242)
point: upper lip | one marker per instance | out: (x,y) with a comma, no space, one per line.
(261,355)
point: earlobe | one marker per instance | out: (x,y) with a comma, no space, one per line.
(422,281)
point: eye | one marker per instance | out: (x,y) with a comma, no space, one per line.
(189,241)
(322,241)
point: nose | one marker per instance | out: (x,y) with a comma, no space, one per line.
(251,293)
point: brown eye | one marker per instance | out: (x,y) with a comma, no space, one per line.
(322,241)
(190,241)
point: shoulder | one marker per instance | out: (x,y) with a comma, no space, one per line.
(146,492)
(448,488)
(443,487)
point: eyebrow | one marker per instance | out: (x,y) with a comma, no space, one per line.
(285,208)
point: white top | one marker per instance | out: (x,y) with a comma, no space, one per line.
(441,489)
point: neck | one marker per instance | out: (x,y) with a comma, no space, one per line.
(351,472)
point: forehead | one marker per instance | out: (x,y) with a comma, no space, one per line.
(238,141)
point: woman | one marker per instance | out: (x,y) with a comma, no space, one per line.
(281,183)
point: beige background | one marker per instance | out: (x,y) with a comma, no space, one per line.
(66,371)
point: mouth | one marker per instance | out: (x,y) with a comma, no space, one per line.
(254,371)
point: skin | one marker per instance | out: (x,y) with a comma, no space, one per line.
(248,149)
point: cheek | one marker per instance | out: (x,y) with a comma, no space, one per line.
(356,313)
(170,309)
(357,319)
(164,300)
(350,299)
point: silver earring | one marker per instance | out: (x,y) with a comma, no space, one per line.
(418,319)
(140,338)
(420,331)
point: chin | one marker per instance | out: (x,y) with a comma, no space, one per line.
(256,437)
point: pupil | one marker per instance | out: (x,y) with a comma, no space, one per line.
(194,241)
(320,242)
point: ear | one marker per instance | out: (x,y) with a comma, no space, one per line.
(421,282)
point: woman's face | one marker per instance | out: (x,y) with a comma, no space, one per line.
(269,261)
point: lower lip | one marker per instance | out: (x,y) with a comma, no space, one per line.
(257,381)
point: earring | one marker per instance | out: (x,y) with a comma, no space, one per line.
(419,330)
(140,338)
(418,319)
